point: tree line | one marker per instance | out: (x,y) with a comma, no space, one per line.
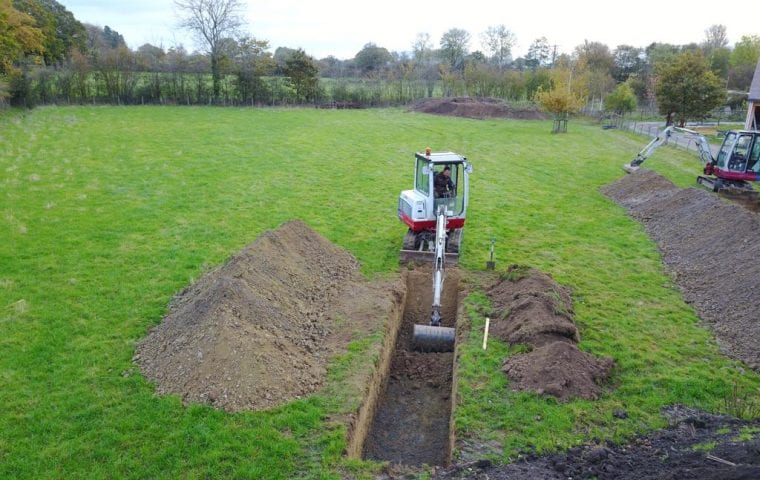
(47,56)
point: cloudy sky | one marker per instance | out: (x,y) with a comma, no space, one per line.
(342,28)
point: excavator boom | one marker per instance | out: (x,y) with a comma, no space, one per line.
(662,138)
(434,337)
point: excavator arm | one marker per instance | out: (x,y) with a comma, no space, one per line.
(703,147)
(660,139)
(434,337)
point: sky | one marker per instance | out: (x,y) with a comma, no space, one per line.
(342,28)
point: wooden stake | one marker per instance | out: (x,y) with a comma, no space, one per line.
(485,333)
(720,460)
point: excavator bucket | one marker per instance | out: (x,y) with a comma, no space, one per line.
(428,338)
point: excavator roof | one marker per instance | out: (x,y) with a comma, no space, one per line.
(441,157)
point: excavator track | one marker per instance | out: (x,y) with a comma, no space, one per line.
(730,189)
(454,241)
(410,240)
(414,251)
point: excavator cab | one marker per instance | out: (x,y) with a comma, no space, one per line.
(737,163)
(417,208)
(735,152)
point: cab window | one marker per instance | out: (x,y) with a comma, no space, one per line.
(754,157)
(738,161)
(422,180)
(725,150)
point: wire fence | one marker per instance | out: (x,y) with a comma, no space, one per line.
(687,142)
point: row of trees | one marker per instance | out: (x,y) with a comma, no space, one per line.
(48,56)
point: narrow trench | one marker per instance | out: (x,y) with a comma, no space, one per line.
(411,424)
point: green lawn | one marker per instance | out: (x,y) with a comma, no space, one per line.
(107,212)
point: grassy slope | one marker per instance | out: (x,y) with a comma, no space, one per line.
(106,212)
(626,307)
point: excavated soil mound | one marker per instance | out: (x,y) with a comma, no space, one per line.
(534,309)
(259,331)
(709,245)
(471,107)
(530,308)
(558,369)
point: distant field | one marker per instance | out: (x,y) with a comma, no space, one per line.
(107,212)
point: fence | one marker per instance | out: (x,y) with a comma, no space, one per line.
(650,129)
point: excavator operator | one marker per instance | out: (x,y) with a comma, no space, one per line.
(444,186)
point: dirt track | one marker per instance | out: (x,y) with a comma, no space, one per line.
(710,246)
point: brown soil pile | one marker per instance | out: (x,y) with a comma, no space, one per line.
(471,107)
(259,331)
(531,308)
(709,245)
(559,369)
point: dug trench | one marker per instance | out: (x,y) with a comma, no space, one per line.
(410,423)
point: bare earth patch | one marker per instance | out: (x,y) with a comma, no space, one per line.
(259,331)
(709,244)
(696,446)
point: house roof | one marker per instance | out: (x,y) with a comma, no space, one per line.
(754,89)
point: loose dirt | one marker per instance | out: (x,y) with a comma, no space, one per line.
(709,245)
(530,308)
(472,107)
(259,331)
(411,424)
(559,369)
(696,446)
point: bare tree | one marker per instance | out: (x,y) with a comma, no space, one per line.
(422,47)
(211,21)
(715,37)
(498,42)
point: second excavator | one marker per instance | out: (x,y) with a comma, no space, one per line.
(734,169)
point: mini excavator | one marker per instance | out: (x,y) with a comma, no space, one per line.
(434,212)
(735,167)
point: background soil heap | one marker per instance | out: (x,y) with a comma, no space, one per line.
(259,330)
(479,108)
(531,308)
(710,245)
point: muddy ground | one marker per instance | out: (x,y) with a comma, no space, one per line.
(696,446)
(259,331)
(473,107)
(411,425)
(709,245)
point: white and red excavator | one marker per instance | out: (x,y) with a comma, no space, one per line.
(434,212)
(734,169)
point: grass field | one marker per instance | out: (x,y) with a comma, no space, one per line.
(107,212)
